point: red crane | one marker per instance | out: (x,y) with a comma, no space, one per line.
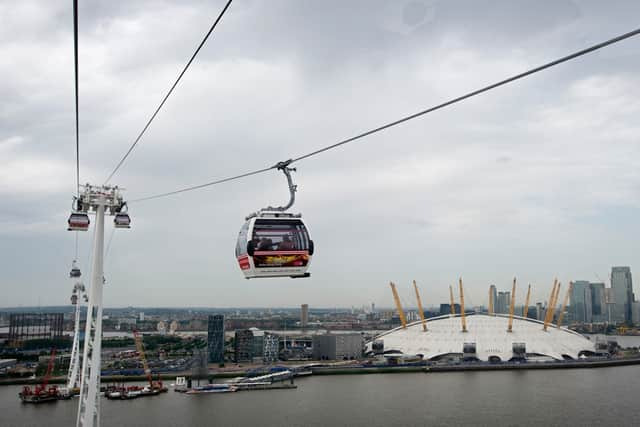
(140,347)
(42,393)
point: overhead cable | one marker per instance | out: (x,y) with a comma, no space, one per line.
(197,187)
(135,142)
(474,93)
(412,116)
(75,58)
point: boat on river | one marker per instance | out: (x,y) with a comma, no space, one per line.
(39,394)
(212,388)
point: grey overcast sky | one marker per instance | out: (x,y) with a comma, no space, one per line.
(536,179)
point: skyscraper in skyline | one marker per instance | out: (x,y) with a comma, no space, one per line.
(622,287)
(215,338)
(503,303)
(493,298)
(598,306)
(588,302)
(580,307)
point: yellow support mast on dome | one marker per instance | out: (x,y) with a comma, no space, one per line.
(549,314)
(420,309)
(564,304)
(525,311)
(396,298)
(462,316)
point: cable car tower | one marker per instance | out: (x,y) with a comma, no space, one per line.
(78,296)
(101,201)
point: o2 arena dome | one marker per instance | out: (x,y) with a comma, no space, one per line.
(486,339)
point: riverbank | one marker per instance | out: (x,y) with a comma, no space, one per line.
(479,366)
(362,370)
(123,378)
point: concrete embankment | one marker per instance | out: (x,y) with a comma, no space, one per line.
(122,378)
(360,370)
(584,364)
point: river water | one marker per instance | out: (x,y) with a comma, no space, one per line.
(577,397)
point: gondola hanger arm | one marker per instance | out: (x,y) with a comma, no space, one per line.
(284,167)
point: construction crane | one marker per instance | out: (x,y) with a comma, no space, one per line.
(462,317)
(513,306)
(41,393)
(564,304)
(140,347)
(549,309)
(452,304)
(525,311)
(420,309)
(396,298)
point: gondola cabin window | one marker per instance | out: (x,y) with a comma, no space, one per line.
(279,235)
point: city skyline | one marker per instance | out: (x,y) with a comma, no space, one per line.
(535,180)
(588,302)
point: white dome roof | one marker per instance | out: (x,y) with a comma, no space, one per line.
(489,333)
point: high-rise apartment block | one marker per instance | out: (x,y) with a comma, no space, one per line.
(215,338)
(251,344)
(493,299)
(304,315)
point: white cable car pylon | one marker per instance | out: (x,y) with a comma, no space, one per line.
(102,200)
(273,242)
(78,297)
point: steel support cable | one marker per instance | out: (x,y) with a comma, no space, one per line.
(75,60)
(207,184)
(412,116)
(474,93)
(135,142)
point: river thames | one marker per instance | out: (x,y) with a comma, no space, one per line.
(577,397)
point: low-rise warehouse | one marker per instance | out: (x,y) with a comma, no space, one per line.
(337,346)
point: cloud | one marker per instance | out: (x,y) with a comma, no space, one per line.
(535,179)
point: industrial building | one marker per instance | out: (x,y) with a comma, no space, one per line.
(32,326)
(337,346)
(215,338)
(486,338)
